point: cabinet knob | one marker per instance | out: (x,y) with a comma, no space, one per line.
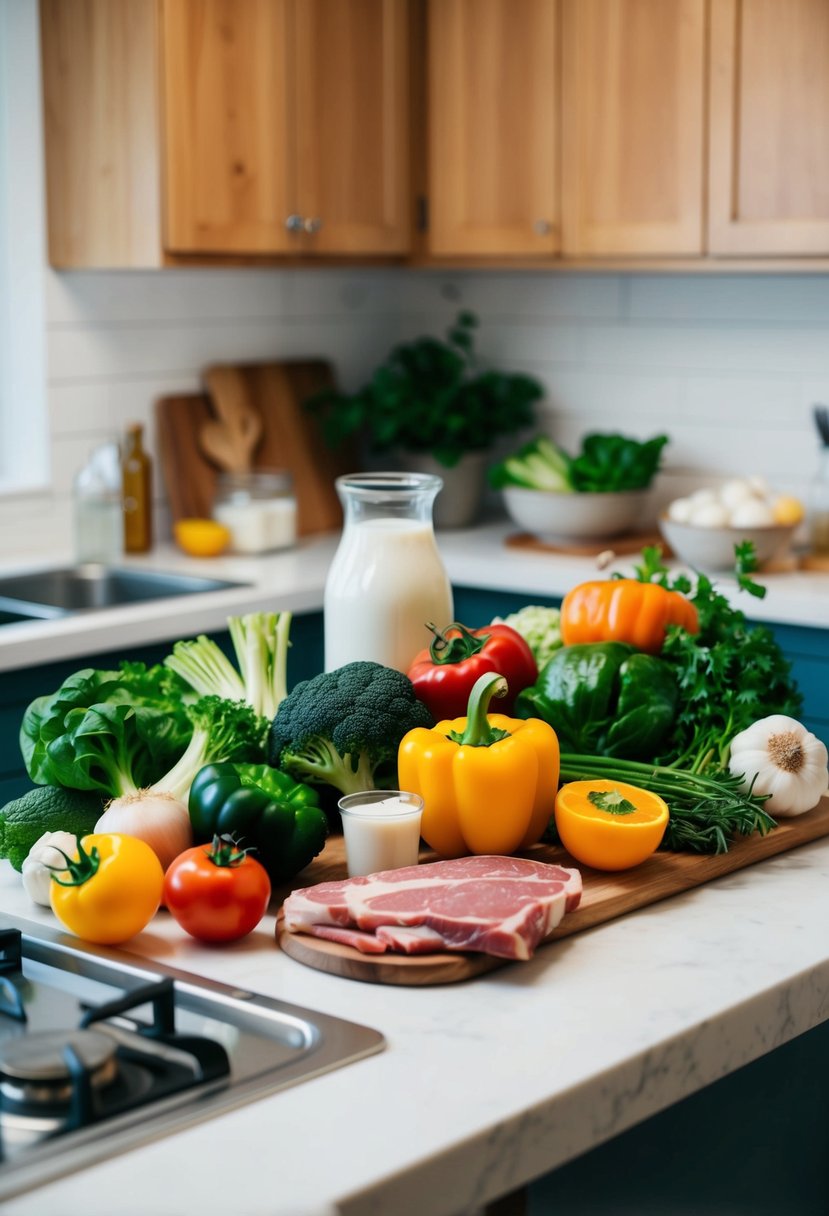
(294,223)
(542,227)
(312,224)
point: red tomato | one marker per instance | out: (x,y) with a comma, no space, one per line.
(217,892)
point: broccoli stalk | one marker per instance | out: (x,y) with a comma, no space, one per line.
(319,761)
(222,730)
(260,641)
(343,728)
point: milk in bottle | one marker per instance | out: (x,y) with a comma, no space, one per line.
(387,578)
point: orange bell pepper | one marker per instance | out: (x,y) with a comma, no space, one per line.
(624,610)
(488,782)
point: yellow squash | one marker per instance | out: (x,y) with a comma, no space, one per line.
(488,782)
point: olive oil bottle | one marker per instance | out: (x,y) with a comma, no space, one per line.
(136,481)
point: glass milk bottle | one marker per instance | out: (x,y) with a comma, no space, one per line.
(387,578)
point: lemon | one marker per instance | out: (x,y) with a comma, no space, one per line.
(201,537)
(787,509)
(609,825)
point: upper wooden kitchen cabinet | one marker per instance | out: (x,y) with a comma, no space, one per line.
(769,127)
(180,128)
(493,122)
(286,126)
(633,127)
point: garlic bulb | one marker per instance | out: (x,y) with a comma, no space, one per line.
(37,877)
(158,819)
(783,759)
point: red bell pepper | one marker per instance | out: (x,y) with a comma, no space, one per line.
(443,674)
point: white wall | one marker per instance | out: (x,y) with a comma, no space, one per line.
(727,366)
(117,342)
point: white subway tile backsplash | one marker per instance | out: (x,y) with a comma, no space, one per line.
(510,295)
(325,292)
(779,350)
(651,399)
(728,366)
(82,407)
(91,298)
(775,299)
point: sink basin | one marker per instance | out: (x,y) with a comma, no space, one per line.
(46,594)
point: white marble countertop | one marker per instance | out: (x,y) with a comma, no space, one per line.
(295,579)
(486,1084)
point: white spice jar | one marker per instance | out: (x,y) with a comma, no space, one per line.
(258,508)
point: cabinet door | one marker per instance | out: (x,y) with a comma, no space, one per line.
(769,141)
(228,183)
(100,132)
(633,126)
(493,102)
(353,125)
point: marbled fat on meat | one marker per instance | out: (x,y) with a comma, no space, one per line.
(496,905)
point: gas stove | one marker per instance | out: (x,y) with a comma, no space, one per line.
(94,1041)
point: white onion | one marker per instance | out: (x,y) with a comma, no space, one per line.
(680,510)
(752,514)
(709,515)
(158,819)
(735,492)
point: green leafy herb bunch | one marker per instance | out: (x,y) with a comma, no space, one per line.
(431,396)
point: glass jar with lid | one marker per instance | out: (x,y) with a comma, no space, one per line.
(258,508)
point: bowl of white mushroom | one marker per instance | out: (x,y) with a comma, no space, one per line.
(703,528)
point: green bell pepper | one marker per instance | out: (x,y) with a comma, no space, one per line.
(262,808)
(604,699)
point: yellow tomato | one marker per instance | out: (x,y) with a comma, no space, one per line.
(787,510)
(201,537)
(109,890)
(609,825)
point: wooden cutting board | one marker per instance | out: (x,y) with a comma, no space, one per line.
(606,896)
(290,439)
(622,546)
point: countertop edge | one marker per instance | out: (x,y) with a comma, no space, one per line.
(294,580)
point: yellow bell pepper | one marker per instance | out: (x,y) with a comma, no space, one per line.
(488,782)
(109,890)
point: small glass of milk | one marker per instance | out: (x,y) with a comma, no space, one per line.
(381,830)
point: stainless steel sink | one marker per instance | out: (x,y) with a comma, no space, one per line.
(46,594)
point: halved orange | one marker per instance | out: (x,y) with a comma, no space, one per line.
(609,825)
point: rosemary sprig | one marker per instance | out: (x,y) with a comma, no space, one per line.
(707,810)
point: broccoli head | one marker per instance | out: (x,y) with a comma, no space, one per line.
(48,808)
(343,728)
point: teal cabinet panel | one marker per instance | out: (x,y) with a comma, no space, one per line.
(751,1144)
(807,649)
(19,688)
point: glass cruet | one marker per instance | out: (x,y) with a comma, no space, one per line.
(387,578)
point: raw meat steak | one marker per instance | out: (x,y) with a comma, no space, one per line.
(497,905)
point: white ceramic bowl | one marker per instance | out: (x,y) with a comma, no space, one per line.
(574,517)
(713,548)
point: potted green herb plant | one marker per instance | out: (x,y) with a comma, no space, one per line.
(431,407)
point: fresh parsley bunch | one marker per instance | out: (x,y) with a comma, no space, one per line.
(729,674)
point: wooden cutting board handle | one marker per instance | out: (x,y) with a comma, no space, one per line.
(229,440)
